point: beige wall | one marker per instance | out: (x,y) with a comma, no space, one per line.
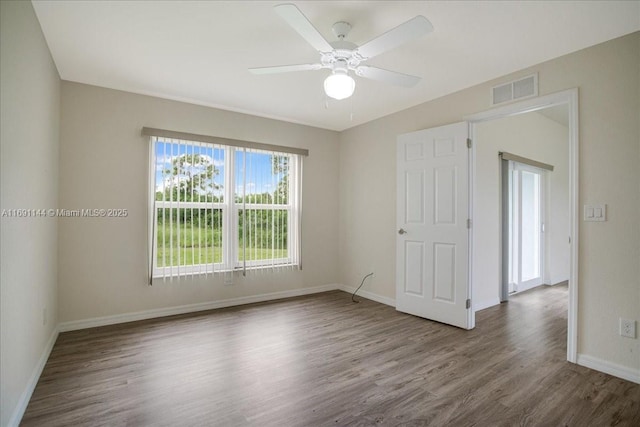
(607,76)
(30,118)
(103,164)
(536,137)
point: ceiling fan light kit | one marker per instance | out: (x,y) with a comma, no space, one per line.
(339,85)
(343,56)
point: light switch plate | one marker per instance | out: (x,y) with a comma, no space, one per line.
(595,212)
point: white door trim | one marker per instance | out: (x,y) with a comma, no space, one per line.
(569,98)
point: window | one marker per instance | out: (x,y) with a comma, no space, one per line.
(218,208)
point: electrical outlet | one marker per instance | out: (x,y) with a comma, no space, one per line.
(627,328)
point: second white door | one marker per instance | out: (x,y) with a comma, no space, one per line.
(526,227)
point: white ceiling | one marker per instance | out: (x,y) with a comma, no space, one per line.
(199,52)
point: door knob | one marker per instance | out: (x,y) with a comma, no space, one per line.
(402,231)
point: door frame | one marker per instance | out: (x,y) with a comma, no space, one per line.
(570,99)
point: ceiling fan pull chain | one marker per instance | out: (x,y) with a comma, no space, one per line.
(351,115)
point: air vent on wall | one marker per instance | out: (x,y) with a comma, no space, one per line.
(517,89)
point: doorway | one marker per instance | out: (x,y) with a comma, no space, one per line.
(421,276)
(485,206)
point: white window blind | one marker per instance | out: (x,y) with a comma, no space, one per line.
(218,208)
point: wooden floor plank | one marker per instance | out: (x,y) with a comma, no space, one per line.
(322,360)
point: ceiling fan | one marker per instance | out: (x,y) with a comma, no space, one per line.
(342,56)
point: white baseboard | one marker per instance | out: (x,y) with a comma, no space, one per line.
(189,308)
(614,369)
(481,305)
(18,412)
(556,282)
(369,295)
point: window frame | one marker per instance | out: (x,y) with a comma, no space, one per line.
(230,211)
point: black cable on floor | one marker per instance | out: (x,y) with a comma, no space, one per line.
(362,283)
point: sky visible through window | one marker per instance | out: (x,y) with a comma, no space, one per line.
(260,177)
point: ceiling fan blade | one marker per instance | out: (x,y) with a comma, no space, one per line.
(403,33)
(285,68)
(387,76)
(301,24)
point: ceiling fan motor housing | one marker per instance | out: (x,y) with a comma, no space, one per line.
(344,56)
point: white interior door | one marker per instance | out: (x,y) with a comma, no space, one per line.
(432,251)
(526,227)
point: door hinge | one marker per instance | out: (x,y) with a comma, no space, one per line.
(468,303)
(469,223)
(468,142)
